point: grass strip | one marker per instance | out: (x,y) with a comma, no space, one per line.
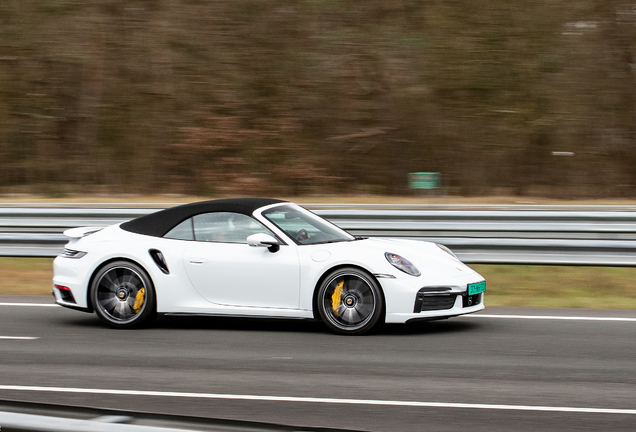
(559,286)
(26,276)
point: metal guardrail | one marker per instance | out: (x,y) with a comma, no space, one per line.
(522,234)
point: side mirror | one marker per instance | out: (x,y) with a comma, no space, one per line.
(263,240)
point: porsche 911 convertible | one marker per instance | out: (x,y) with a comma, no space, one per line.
(260,258)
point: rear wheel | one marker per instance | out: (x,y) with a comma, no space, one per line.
(350,301)
(123,295)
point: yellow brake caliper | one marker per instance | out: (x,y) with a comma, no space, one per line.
(139,300)
(335,297)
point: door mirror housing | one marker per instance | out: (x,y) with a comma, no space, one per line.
(264,240)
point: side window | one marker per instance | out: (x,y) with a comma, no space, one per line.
(183,231)
(226,227)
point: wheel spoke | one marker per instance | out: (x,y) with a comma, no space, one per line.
(126,310)
(359,317)
(117,281)
(367,297)
(108,282)
(108,278)
(355,287)
(109,303)
(108,288)
(348,315)
(117,274)
(341,309)
(130,302)
(364,310)
(119,310)
(129,277)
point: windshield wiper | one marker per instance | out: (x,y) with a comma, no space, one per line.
(329,241)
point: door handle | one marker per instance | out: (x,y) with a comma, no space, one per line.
(198,260)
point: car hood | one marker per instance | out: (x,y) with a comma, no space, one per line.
(426,256)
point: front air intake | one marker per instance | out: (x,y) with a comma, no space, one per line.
(434,298)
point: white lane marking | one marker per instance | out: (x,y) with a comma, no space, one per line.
(30,304)
(19,337)
(319,400)
(549,317)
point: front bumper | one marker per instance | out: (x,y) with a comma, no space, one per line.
(406,302)
(456,310)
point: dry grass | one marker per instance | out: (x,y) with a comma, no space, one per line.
(26,276)
(559,286)
(507,285)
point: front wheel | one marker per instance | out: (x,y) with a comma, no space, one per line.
(123,295)
(350,301)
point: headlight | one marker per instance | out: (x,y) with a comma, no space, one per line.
(448,251)
(402,264)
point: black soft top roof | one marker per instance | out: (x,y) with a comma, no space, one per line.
(159,223)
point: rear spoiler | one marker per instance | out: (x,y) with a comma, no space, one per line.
(78,233)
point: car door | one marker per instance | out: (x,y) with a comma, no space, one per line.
(226,271)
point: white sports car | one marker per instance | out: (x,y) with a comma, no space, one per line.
(261,258)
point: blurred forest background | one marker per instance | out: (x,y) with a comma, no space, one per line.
(305,97)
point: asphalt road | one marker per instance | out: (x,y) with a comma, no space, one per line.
(478,373)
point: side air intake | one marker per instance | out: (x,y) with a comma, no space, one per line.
(158,258)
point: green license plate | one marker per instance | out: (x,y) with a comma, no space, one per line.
(476,288)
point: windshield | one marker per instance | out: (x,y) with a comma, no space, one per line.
(304,227)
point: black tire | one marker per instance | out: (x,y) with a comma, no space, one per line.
(123,295)
(350,301)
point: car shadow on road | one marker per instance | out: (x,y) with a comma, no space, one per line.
(303,326)
(198,322)
(429,327)
(176,322)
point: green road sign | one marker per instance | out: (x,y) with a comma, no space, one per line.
(424,180)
